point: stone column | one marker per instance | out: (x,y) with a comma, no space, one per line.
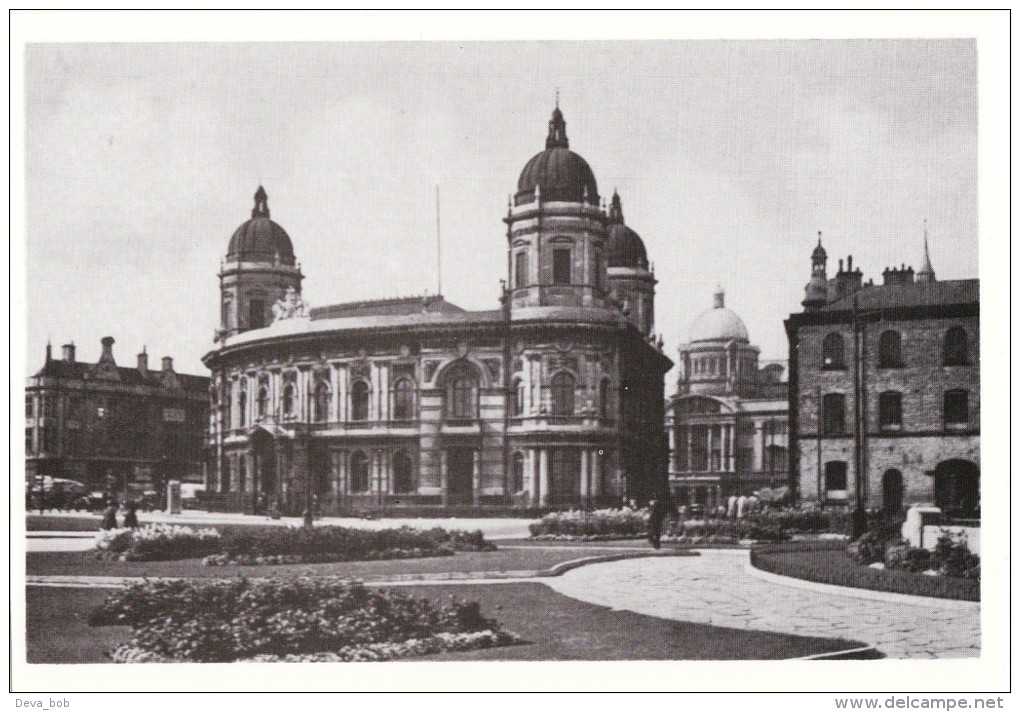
(708,440)
(476,476)
(585,485)
(533,477)
(595,486)
(444,481)
(341,393)
(543,477)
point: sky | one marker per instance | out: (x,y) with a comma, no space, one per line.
(142,159)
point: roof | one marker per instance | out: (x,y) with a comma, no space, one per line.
(560,174)
(78,371)
(916,294)
(260,239)
(624,247)
(401,306)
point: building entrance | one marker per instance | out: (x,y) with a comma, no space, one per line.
(460,469)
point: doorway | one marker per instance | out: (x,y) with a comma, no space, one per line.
(460,469)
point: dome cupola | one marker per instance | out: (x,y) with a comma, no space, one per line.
(260,239)
(718,323)
(557,173)
(624,247)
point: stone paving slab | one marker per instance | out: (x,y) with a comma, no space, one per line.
(717,588)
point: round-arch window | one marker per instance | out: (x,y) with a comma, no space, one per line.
(403,400)
(359,401)
(359,472)
(563,394)
(402,473)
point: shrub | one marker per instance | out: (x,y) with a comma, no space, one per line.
(227,620)
(953,558)
(907,558)
(725,531)
(868,549)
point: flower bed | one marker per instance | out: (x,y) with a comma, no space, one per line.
(828,562)
(284,545)
(157,542)
(303,619)
(722,531)
(599,524)
(949,558)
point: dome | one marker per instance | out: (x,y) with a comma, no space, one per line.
(260,239)
(624,247)
(718,324)
(559,173)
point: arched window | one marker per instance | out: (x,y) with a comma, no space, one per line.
(263,401)
(954,350)
(518,473)
(256,314)
(322,397)
(517,398)
(892,491)
(461,393)
(955,409)
(563,394)
(521,269)
(889,355)
(402,473)
(604,399)
(890,409)
(288,399)
(834,414)
(359,400)
(832,352)
(403,400)
(561,265)
(242,409)
(359,472)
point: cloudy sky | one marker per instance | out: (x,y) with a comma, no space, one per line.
(729,156)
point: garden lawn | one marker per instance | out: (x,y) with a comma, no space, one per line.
(828,562)
(554,627)
(76,563)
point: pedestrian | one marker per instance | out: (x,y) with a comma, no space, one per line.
(662,507)
(109,517)
(131,516)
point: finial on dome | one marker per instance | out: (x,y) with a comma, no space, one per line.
(720,297)
(927,272)
(261,209)
(557,128)
(616,208)
(557,97)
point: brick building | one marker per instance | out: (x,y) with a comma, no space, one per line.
(554,399)
(102,424)
(885,389)
(727,422)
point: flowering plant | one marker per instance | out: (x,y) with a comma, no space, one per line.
(157,542)
(601,523)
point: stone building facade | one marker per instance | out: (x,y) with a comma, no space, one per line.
(727,422)
(110,426)
(885,389)
(554,399)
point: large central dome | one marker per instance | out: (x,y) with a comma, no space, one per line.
(559,173)
(718,324)
(260,239)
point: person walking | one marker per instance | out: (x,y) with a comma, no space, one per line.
(662,507)
(109,517)
(131,516)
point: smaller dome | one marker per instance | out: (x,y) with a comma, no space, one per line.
(624,247)
(718,324)
(260,239)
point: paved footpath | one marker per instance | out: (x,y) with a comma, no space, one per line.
(721,588)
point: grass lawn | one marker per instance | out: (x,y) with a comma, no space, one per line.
(828,562)
(554,627)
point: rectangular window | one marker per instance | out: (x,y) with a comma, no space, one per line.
(561,266)
(29,407)
(835,480)
(28,441)
(834,415)
(890,410)
(256,314)
(955,409)
(521,269)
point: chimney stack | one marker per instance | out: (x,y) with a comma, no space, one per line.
(168,364)
(107,355)
(68,352)
(143,363)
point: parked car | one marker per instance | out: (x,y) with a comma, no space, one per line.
(92,502)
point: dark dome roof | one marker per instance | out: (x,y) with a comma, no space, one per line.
(624,247)
(559,173)
(260,239)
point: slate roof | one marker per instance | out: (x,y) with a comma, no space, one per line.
(402,306)
(78,370)
(918,294)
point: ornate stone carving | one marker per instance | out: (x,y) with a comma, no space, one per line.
(292,306)
(361,369)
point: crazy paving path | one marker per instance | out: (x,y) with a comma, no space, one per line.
(721,588)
